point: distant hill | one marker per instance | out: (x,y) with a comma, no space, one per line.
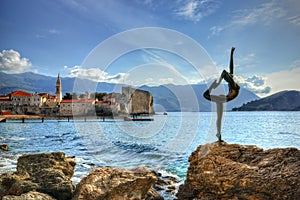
(281,101)
(31,82)
(167,97)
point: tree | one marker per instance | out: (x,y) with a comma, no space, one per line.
(98,95)
(68,96)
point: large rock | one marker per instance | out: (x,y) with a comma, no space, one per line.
(48,173)
(112,183)
(232,171)
(136,101)
(4,147)
(29,196)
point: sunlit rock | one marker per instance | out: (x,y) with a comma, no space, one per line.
(232,171)
(112,183)
(48,173)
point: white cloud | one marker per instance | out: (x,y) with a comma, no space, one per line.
(11,61)
(95,74)
(195,10)
(265,14)
(163,81)
(285,80)
(294,20)
(189,11)
(53,31)
(256,84)
(43,34)
(273,82)
(215,30)
(295,64)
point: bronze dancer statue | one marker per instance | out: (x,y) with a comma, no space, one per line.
(220,99)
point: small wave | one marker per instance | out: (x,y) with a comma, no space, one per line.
(57,136)
(288,133)
(14,138)
(134,147)
(76,138)
(8,163)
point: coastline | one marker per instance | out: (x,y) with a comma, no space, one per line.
(57,117)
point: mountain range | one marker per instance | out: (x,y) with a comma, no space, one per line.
(281,101)
(167,97)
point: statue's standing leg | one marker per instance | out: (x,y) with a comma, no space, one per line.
(219,120)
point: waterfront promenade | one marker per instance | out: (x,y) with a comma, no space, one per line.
(23,118)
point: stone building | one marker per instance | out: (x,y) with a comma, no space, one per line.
(48,100)
(20,102)
(77,107)
(21,98)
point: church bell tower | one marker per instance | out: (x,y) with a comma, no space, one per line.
(58,90)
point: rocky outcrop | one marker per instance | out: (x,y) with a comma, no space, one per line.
(137,101)
(48,176)
(216,171)
(112,183)
(48,173)
(29,196)
(232,171)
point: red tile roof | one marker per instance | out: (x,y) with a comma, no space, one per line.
(77,101)
(19,93)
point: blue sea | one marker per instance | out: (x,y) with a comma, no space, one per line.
(163,144)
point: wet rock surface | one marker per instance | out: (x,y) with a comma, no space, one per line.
(48,173)
(29,196)
(112,183)
(232,171)
(4,147)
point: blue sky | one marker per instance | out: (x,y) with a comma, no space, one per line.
(57,36)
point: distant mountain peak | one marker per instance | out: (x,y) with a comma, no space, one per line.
(287,100)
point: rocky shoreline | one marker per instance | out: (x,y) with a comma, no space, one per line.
(216,171)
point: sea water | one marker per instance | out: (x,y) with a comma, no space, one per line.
(163,144)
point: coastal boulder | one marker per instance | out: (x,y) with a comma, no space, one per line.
(113,183)
(4,147)
(29,196)
(48,173)
(232,171)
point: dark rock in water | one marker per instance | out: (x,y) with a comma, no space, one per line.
(48,173)
(112,183)
(232,171)
(29,196)
(4,147)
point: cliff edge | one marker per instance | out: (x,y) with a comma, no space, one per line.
(232,171)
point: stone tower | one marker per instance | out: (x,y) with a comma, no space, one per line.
(58,90)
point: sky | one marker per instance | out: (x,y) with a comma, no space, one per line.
(154,42)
